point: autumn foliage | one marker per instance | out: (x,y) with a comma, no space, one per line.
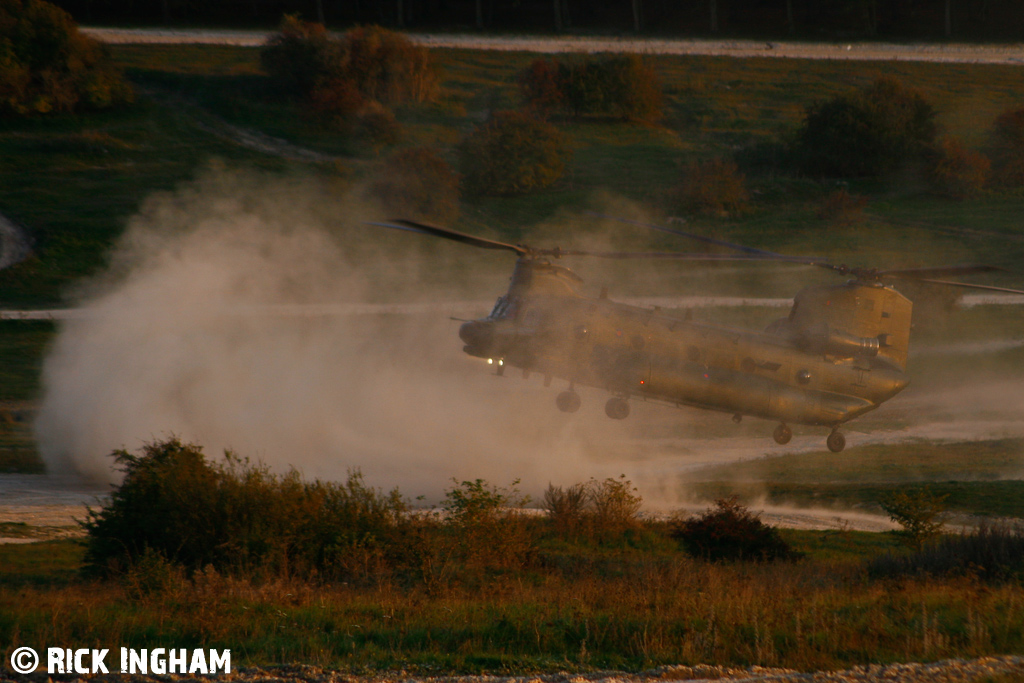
(48,66)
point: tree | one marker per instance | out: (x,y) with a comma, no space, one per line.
(48,66)
(513,153)
(919,514)
(866,132)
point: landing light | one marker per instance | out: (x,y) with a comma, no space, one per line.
(490,361)
(501,362)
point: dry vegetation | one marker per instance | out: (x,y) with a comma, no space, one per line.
(345,575)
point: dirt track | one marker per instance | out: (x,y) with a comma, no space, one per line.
(953,53)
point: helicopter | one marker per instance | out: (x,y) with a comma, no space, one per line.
(840,353)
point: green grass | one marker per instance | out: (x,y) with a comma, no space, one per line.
(979,478)
(628,610)
(75,180)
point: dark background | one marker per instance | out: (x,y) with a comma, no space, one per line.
(997,20)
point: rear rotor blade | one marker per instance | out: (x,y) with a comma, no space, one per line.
(672,256)
(449,234)
(755,254)
(691,235)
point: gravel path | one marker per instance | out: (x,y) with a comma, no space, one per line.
(954,53)
(1003,669)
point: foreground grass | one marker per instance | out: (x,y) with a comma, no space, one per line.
(617,609)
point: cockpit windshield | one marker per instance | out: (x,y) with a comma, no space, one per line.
(503,308)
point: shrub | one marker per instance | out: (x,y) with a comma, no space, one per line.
(992,553)
(379,126)
(919,514)
(176,505)
(866,132)
(300,56)
(621,85)
(955,171)
(419,184)
(1008,148)
(615,504)
(486,522)
(731,532)
(566,507)
(367,64)
(713,187)
(513,153)
(47,66)
(335,101)
(541,86)
(387,67)
(842,208)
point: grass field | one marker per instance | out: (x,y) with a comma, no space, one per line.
(75,180)
(580,608)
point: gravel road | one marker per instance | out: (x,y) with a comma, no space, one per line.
(1007,669)
(953,53)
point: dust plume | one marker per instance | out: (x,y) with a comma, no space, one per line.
(176,339)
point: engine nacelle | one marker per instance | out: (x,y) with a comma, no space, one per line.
(822,339)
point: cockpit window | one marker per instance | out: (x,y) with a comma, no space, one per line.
(503,308)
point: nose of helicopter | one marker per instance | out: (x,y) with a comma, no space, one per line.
(478,336)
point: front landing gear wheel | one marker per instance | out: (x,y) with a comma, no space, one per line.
(617,408)
(782,434)
(568,401)
(835,442)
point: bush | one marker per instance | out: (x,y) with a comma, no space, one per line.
(992,553)
(615,504)
(867,132)
(387,67)
(621,85)
(1008,148)
(340,78)
(176,505)
(731,532)
(713,187)
(955,171)
(335,101)
(378,125)
(486,523)
(47,66)
(513,153)
(566,507)
(418,184)
(541,86)
(919,514)
(301,56)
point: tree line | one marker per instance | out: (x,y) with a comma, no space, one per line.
(815,19)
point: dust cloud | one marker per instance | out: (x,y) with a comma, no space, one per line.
(177,339)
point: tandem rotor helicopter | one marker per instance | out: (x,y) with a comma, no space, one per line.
(840,353)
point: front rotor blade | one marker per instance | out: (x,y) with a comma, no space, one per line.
(968,285)
(449,234)
(939,271)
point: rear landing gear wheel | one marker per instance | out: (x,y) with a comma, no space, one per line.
(835,442)
(782,434)
(617,408)
(568,401)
